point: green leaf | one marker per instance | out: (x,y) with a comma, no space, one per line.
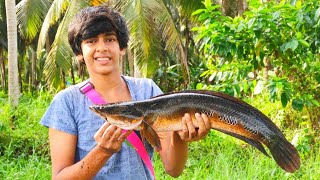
(317,15)
(315,102)
(297,104)
(317,77)
(293,2)
(198,11)
(199,86)
(207,3)
(305,43)
(293,44)
(250,23)
(284,99)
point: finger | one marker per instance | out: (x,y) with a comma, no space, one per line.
(201,124)
(191,128)
(116,134)
(206,121)
(184,133)
(102,129)
(108,133)
(124,135)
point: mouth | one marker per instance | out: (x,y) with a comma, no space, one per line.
(102,59)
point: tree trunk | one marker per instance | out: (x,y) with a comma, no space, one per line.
(233,8)
(130,62)
(136,69)
(2,71)
(13,80)
(33,69)
(123,63)
(72,73)
(266,69)
(266,61)
(242,7)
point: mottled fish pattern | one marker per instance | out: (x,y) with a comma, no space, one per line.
(227,114)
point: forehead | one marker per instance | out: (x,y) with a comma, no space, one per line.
(105,34)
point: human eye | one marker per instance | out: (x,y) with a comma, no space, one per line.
(90,41)
(111,39)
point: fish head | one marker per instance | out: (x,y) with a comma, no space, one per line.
(123,115)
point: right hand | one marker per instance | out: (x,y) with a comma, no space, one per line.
(110,138)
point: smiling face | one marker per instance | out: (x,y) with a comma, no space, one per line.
(101,54)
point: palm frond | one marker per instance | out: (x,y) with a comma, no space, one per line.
(54,14)
(172,35)
(188,7)
(141,16)
(30,15)
(60,57)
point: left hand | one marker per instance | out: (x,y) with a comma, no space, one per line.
(189,132)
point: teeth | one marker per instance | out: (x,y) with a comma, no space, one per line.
(102,59)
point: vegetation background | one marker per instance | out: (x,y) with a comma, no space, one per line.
(264,52)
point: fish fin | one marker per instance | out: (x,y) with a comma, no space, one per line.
(284,153)
(151,136)
(252,142)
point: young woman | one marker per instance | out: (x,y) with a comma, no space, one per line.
(82,144)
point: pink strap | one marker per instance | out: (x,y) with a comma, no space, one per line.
(133,138)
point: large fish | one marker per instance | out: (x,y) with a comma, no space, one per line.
(226,114)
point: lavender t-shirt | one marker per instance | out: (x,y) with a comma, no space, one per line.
(69,112)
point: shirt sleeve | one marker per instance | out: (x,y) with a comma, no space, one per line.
(155,89)
(59,114)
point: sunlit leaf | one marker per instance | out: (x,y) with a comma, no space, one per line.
(30,15)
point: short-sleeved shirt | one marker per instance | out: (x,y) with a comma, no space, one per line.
(69,112)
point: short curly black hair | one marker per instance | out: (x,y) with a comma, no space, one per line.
(92,21)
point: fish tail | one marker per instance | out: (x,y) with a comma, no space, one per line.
(150,135)
(285,154)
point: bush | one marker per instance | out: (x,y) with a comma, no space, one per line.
(20,131)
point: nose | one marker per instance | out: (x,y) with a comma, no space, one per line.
(102,45)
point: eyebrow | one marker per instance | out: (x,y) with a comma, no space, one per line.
(110,33)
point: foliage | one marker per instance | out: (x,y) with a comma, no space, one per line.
(237,48)
(160,37)
(24,149)
(23,134)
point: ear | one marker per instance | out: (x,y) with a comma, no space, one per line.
(123,51)
(79,57)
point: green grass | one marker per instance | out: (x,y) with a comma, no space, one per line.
(25,167)
(224,158)
(24,150)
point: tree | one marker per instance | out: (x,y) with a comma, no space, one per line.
(157,34)
(3,46)
(13,81)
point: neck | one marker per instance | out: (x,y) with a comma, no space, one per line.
(105,84)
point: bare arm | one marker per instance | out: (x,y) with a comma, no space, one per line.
(174,152)
(63,146)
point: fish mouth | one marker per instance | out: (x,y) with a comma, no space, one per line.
(126,125)
(130,127)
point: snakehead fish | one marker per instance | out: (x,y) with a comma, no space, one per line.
(227,114)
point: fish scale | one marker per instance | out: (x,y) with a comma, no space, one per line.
(226,114)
